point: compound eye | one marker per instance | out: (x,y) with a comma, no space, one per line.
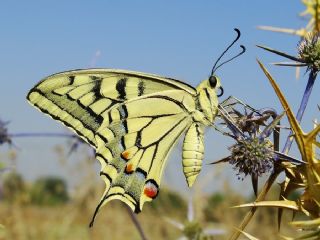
(213,81)
(221,91)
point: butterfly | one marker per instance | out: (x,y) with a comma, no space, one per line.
(132,120)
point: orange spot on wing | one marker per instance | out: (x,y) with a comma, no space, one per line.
(129,168)
(125,155)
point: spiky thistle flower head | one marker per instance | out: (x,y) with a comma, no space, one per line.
(253,153)
(192,230)
(309,50)
(252,156)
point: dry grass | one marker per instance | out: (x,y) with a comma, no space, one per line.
(70,221)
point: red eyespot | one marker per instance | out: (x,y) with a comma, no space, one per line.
(150,190)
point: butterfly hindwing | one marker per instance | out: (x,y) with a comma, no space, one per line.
(136,145)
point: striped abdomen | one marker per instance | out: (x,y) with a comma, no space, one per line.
(192,155)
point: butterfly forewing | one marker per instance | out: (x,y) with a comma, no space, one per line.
(82,99)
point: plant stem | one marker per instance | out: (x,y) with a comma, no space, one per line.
(136,223)
(302,108)
(252,211)
(42,135)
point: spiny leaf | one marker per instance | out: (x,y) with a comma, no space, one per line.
(289,64)
(314,223)
(281,54)
(249,236)
(293,121)
(300,32)
(305,144)
(282,204)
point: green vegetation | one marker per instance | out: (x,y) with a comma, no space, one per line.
(49,191)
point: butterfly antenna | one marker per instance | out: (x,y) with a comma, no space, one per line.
(239,54)
(233,42)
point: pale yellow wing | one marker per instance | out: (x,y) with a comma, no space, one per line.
(81,99)
(134,146)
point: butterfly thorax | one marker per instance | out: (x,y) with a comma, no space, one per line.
(206,103)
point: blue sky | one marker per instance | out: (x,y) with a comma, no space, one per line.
(180,39)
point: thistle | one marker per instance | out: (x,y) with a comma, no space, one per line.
(305,176)
(253,156)
(312,12)
(253,153)
(309,51)
(308,56)
(192,229)
(4,135)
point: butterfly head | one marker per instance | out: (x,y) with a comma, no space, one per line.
(214,83)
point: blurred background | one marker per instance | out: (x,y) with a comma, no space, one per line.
(50,186)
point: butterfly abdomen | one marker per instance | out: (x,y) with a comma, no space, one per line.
(192,155)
